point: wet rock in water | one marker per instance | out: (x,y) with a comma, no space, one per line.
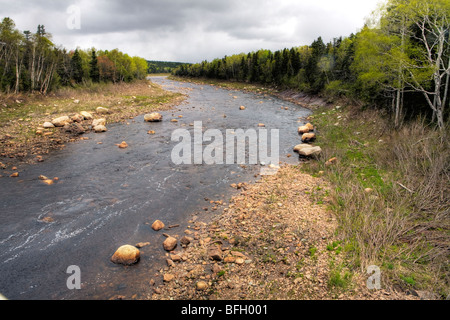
(48,182)
(157,225)
(142,244)
(99,122)
(102,110)
(153,117)
(61,121)
(14,175)
(123,145)
(126,255)
(86,115)
(308,137)
(48,125)
(201,285)
(100,128)
(170,243)
(151,132)
(241,108)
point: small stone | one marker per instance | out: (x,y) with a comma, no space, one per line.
(201,285)
(331,161)
(123,145)
(141,244)
(14,175)
(229,259)
(185,240)
(241,108)
(48,125)
(168,277)
(170,243)
(157,225)
(215,253)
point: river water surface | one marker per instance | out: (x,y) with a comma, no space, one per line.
(107,197)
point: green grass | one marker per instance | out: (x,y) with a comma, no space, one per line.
(388,226)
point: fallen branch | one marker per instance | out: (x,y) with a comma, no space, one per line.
(407,189)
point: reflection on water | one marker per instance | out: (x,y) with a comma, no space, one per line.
(107,197)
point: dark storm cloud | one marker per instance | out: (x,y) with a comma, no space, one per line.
(190,30)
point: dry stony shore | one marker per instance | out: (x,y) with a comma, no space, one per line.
(268,243)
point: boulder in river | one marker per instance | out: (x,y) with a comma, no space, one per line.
(153,117)
(126,255)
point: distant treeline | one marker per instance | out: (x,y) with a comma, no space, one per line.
(400,61)
(32,62)
(162,66)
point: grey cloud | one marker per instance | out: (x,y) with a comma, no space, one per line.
(185,30)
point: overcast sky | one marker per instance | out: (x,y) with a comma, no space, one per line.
(188,31)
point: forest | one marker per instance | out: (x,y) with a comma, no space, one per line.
(31,62)
(162,66)
(399,60)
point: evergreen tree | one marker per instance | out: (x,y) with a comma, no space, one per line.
(94,72)
(77,67)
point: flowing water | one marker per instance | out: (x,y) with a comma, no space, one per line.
(107,197)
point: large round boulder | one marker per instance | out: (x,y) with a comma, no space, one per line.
(126,255)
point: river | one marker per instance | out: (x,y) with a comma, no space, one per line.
(107,197)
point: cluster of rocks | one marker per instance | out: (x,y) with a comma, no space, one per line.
(306,149)
(74,124)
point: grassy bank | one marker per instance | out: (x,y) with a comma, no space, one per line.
(390,195)
(21,115)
